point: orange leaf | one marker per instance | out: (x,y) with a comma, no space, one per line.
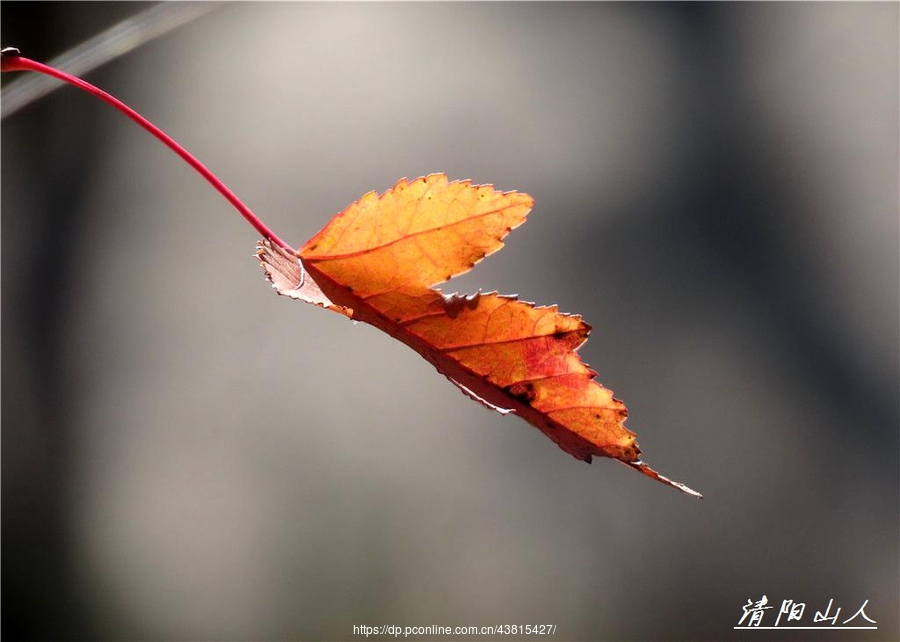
(377,262)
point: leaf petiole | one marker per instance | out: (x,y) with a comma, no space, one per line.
(12,61)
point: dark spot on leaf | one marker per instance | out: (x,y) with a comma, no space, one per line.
(523,391)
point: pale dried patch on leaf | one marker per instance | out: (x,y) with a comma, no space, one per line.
(288,277)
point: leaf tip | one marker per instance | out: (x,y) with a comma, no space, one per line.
(641,467)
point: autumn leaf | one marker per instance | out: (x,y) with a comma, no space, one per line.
(377,262)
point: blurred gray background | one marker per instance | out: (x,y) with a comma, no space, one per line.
(188,456)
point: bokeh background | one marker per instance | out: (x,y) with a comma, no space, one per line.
(188,456)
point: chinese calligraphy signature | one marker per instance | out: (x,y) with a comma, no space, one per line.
(792,611)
